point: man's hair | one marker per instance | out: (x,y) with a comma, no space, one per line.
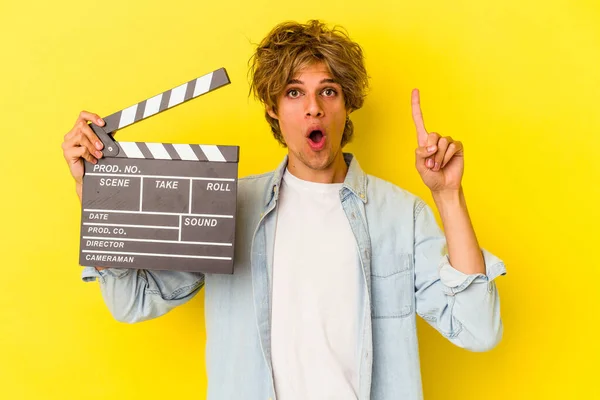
(291,46)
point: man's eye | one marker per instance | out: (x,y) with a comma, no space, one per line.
(329,92)
(293,93)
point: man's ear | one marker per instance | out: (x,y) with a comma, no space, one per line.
(271,113)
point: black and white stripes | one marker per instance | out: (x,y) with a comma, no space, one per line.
(166,100)
(186,152)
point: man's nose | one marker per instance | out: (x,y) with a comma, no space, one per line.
(313,106)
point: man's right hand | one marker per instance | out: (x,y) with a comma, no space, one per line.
(81,142)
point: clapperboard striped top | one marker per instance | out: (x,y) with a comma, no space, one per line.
(166,100)
(187,152)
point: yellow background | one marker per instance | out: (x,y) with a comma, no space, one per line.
(517,81)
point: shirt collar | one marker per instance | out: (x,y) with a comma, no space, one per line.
(355,180)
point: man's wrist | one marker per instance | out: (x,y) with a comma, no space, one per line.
(449,197)
(79,190)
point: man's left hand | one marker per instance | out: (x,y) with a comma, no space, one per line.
(439,159)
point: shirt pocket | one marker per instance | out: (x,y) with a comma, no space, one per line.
(392,288)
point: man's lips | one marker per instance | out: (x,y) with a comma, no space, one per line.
(316,139)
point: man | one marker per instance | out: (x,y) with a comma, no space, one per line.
(331,265)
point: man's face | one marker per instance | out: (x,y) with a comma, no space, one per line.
(312,116)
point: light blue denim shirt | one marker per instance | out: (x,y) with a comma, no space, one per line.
(406,271)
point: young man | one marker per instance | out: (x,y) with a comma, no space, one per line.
(332,265)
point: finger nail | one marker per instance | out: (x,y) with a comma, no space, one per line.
(100,121)
(98,154)
(431,148)
(94,161)
(430,163)
(437,166)
(99,145)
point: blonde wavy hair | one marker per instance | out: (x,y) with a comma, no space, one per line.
(291,46)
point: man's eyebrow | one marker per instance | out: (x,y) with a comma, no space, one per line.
(328,80)
(299,82)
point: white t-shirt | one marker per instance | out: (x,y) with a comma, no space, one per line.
(316,301)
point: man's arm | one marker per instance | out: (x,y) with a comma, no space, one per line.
(464,306)
(463,248)
(135,295)
(131,295)
(454,284)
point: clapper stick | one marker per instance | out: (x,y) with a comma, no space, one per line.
(160,206)
(155,105)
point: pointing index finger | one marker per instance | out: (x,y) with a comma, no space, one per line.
(418,118)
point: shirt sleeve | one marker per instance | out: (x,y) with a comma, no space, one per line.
(134,295)
(456,281)
(464,308)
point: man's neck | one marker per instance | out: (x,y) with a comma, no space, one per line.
(334,173)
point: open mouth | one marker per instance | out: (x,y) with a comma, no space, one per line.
(316,136)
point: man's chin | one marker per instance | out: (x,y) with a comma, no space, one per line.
(319,161)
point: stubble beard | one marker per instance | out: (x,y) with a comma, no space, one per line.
(318,163)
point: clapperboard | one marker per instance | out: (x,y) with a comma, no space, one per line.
(160,206)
